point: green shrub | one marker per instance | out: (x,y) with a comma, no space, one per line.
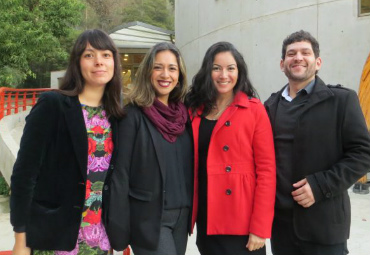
(4,188)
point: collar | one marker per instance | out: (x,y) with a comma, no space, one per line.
(308,88)
(319,89)
(240,100)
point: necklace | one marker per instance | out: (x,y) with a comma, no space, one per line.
(220,110)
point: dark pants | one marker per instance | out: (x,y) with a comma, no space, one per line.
(227,245)
(173,235)
(223,244)
(284,241)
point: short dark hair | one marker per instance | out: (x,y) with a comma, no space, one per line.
(301,36)
(73,82)
(142,92)
(203,92)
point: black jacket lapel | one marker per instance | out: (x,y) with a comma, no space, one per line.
(271,105)
(77,130)
(320,93)
(157,142)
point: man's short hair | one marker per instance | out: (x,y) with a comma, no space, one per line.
(301,36)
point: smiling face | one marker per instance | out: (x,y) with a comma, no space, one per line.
(300,64)
(165,75)
(97,66)
(224,73)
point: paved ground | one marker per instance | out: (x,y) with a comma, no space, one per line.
(358,243)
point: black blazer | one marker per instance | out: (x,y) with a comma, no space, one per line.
(331,150)
(141,160)
(48,180)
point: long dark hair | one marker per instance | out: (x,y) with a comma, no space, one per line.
(203,92)
(142,92)
(73,82)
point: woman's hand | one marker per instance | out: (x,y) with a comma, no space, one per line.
(20,247)
(255,242)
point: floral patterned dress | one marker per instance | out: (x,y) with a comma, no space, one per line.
(92,238)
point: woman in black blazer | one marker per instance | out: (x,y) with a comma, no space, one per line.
(156,155)
(66,153)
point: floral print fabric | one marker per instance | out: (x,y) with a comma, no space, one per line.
(92,238)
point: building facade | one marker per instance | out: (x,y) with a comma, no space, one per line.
(258,27)
(133,41)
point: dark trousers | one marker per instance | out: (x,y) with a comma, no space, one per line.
(284,241)
(222,244)
(173,235)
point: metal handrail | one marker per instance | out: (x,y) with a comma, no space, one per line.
(12,100)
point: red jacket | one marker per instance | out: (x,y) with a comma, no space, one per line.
(240,171)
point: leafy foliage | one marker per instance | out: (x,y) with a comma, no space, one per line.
(37,35)
(33,33)
(107,13)
(154,12)
(11,77)
(4,188)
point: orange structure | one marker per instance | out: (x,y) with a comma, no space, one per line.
(13,100)
(364,97)
(364,91)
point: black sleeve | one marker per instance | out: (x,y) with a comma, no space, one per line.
(39,127)
(355,161)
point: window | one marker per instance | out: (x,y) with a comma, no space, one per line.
(130,62)
(364,7)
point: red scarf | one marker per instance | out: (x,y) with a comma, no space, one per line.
(169,120)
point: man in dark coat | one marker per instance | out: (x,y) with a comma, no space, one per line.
(322,148)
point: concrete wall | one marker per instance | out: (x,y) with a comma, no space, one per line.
(55,78)
(11,128)
(258,27)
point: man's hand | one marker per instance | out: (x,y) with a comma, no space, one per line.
(20,247)
(303,194)
(255,242)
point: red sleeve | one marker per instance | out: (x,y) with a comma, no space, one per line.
(264,157)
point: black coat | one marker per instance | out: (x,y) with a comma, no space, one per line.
(142,160)
(49,175)
(331,150)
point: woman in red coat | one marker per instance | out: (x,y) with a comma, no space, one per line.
(234,186)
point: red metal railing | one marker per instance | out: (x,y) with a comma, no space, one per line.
(12,100)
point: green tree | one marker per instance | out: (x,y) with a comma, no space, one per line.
(107,14)
(159,13)
(35,33)
(103,14)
